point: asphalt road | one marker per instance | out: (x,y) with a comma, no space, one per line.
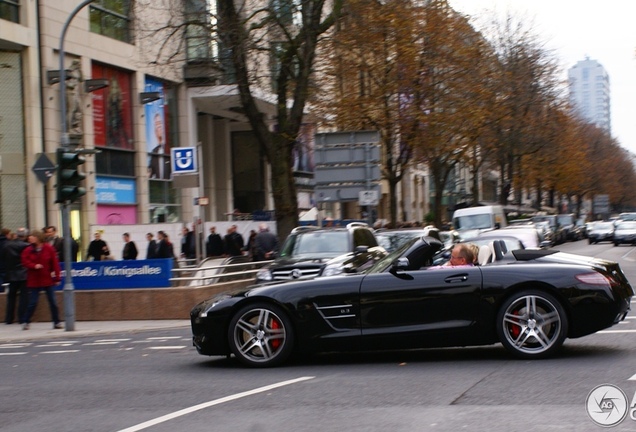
(155,381)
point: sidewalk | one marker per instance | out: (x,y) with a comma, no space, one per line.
(44,330)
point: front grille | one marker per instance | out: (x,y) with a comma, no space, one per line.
(296,273)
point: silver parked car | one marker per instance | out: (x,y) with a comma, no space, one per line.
(625,233)
(600,231)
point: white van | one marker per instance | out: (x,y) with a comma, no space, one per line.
(470,221)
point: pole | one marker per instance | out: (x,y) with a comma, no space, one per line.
(69,289)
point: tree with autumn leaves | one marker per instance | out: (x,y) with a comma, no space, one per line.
(410,71)
(442,95)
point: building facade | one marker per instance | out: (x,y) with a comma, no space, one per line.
(128,111)
(589,86)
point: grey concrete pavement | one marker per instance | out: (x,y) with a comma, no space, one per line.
(45,330)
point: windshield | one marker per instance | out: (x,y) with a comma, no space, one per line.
(386,262)
(565,219)
(390,241)
(599,226)
(320,243)
(626,226)
(549,219)
(477,221)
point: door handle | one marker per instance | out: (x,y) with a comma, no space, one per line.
(454,279)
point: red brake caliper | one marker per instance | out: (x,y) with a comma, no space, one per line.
(515,330)
(275,326)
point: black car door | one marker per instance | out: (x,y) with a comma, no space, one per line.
(417,307)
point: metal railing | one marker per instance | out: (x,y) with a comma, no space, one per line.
(212,271)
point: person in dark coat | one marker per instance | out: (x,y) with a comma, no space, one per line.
(16,275)
(214,245)
(233,242)
(58,244)
(97,248)
(265,244)
(130,249)
(188,247)
(151,252)
(43,273)
(164,247)
(4,238)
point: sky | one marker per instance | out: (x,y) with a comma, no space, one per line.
(575,29)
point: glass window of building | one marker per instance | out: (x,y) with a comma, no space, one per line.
(111,18)
(10,10)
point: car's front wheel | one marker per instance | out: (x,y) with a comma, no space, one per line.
(532,324)
(261,335)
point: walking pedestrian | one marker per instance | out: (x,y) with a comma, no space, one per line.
(97,249)
(233,242)
(16,275)
(151,251)
(214,245)
(4,238)
(265,244)
(130,249)
(164,247)
(43,274)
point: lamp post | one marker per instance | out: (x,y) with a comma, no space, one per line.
(69,289)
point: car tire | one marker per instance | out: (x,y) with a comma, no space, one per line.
(261,335)
(532,324)
(615,244)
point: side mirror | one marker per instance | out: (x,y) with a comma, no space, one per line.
(401,264)
(361,249)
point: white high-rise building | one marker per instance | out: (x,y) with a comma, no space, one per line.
(590,92)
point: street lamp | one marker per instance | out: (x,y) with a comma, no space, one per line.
(69,289)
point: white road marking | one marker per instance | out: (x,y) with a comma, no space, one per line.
(113,340)
(163,338)
(99,343)
(166,347)
(12,353)
(48,345)
(16,345)
(192,409)
(59,352)
(617,331)
(633,378)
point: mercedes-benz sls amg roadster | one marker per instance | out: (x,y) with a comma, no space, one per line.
(530,301)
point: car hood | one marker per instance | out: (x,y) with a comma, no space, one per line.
(302,259)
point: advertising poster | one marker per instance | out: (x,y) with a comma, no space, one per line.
(112,109)
(157,135)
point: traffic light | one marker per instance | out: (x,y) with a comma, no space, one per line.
(69,177)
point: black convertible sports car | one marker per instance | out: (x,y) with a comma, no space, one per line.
(529,300)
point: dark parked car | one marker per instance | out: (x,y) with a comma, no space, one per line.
(625,233)
(559,235)
(567,222)
(530,301)
(600,231)
(310,252)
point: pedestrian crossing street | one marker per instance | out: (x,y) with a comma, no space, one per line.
(147,345)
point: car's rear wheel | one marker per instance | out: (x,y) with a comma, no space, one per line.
(532,324)
(261,335)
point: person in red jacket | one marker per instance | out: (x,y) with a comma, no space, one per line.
(43,274)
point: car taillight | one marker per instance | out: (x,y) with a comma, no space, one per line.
(595,279)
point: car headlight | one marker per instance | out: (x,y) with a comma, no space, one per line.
(332,270)
(209,307)
(264,274)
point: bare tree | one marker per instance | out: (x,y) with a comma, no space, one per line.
(263,47)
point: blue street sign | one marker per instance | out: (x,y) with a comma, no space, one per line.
(184,160)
